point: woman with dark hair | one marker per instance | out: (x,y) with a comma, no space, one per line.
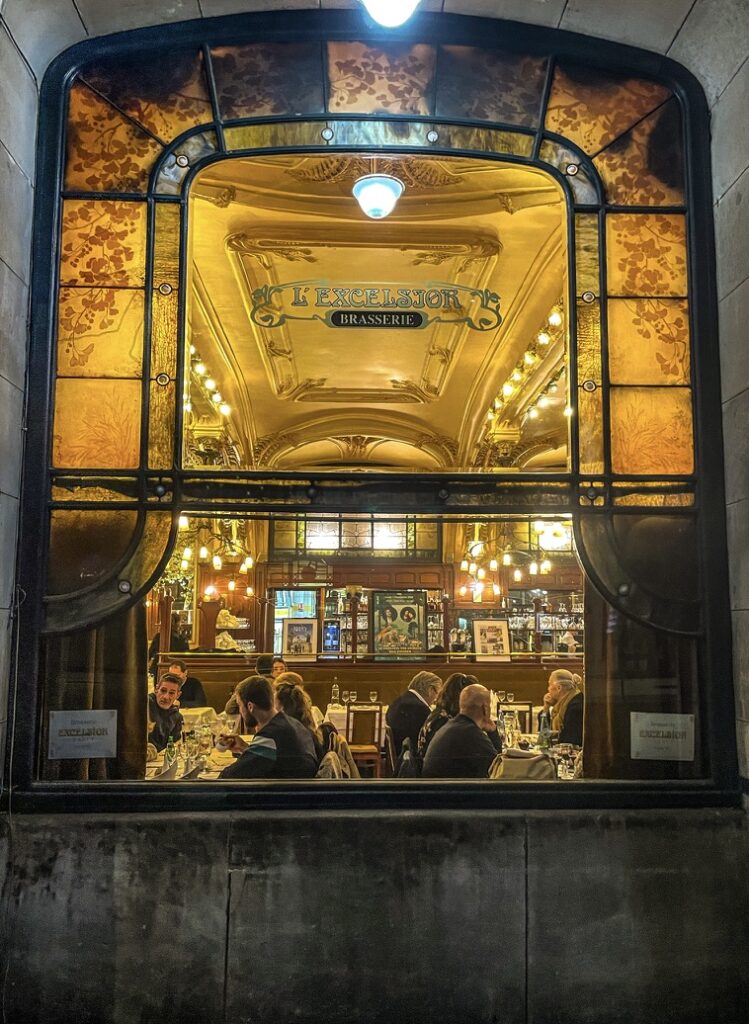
(293,699)
(446,707)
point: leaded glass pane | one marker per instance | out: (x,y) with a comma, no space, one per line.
(646,254)
(164,328)
(489,85)
(651,430)
(590,430)
(592,108)
(166,96)
(177,165)
(648,341)
(106,152)
(103,242)
(587,254)
(322,535)
(100,332)
(588,342)
(97,424)
(166,245)
(645,167)
(566,160)
(86,545)
(356,534)
(161,421)
(267,79)
(368,79)
(390,536)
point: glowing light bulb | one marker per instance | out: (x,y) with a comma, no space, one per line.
(183,523)
(546,565)
(496,589)
(543,402)
(555,318)
(377,194)
(508,390)
(217,563)
(490,415)
(478,588)
(516,375)
(493,565)
(390,13)
(481,573)
(216,398)
(507,558)
(192,350)
(203,553)
(184,564)
(224,409)
(232,585)
(464,565)
(533,413)
(533,568)
(243,567)
(188,406)
(209,591)
(543,338)
(497,404)
(517,575)
(568,410)
(529,358)
(463,591)
(250,561)
(472,568)
(200,369)
(210,384)
(187,553)
(249,591)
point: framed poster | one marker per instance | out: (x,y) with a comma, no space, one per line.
(399,621)
(299,638)
(491,639)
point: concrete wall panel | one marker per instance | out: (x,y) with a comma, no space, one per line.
(732,236)
(16,201)
(736,444)
(18,100)
(14,302)
(638,23)
(734,341)
(101,18)
(730,149)
(713,43)
(43,28)
(11,437)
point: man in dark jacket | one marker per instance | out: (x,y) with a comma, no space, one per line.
(407,713)
(467,745)
(192,694)
(163,712)
(282,747)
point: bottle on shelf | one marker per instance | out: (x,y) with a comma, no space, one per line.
(335,693)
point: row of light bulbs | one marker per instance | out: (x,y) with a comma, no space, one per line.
(533,353)
(203,375)
(204,554)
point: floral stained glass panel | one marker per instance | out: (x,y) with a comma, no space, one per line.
(368,79)
(97,424)
(646,254)
(266,79)
(645,167)
(106,152)
(591,108)
(651,430)
(100,332)
(165,96)
(103,242)
(648,341)
(490,85)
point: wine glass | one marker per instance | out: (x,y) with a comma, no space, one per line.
(502,694)
(345,697)
(373,696)
(510,698)
(353,696)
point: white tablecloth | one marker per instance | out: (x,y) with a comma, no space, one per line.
(336,715)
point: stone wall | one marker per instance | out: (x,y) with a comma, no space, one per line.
(342,919)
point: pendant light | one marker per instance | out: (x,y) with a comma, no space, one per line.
(390,13)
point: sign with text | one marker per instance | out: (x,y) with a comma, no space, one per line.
(77,734)
(661,737)
(390,306)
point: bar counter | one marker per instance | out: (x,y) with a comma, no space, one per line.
(525,677)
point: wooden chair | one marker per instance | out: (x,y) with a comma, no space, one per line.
(391,755)
(524,712)
(364,735)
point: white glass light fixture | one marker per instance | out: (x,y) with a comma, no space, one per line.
(377,194)
(390,13)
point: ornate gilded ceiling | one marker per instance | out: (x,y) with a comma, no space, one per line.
(335,340)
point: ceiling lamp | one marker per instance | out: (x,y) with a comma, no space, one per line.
(390,13)
(377,194)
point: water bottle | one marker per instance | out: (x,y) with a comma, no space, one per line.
(544,730)
(335,693)
(171,750)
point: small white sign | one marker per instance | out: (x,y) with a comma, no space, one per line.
(74,734)
(663,737)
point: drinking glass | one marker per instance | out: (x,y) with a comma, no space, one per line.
(345,697)
(353,696)
(510,698)
(373,696)
(502,694)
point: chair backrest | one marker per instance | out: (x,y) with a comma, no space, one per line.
(391,755)
(364,725)
(524,711)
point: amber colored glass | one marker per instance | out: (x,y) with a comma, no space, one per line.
(106,152)
(590,430)
(85,545)
(100,332)
(74,487)
(284,535)
(178,163)
(166,245)
(164,330)
(645,500)
(646,254)
(588,342)
(165,96)
(426,537)
(265,79)
(587,257)
(645,167)
(566,160)
(161,415)
(648,341)
(489,85)
(651,430)
(103,242)
(97,424)
(270,136)
(592,108)
(367,79)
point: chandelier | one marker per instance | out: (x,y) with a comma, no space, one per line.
(490,566)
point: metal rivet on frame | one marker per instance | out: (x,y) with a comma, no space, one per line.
(589,385)
(162,379)
(572,169)
(432,135)
(588,297)
(623,589)
(124,586)
(165,289)
(182,160)
(327,134)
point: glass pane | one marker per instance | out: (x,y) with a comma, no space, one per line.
(580,182)
(587,256)
(268,78)
(651,430)
(645,167)
(164,329)
(590,429)
(103,242)
(177,165)
(100,332)
(322,536)
(271,136)
(161,425)
(284,535)
(74,487)
(648,341)
(97,424)
(390,536)
(166,96)
(588,342)
(106,152)
(356,535)
(427,537)
(640,498)
(86,545)
(489,85)
(646,254)
(591,108)
(370,80)
(166,245)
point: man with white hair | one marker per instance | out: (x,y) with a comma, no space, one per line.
(467,745)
